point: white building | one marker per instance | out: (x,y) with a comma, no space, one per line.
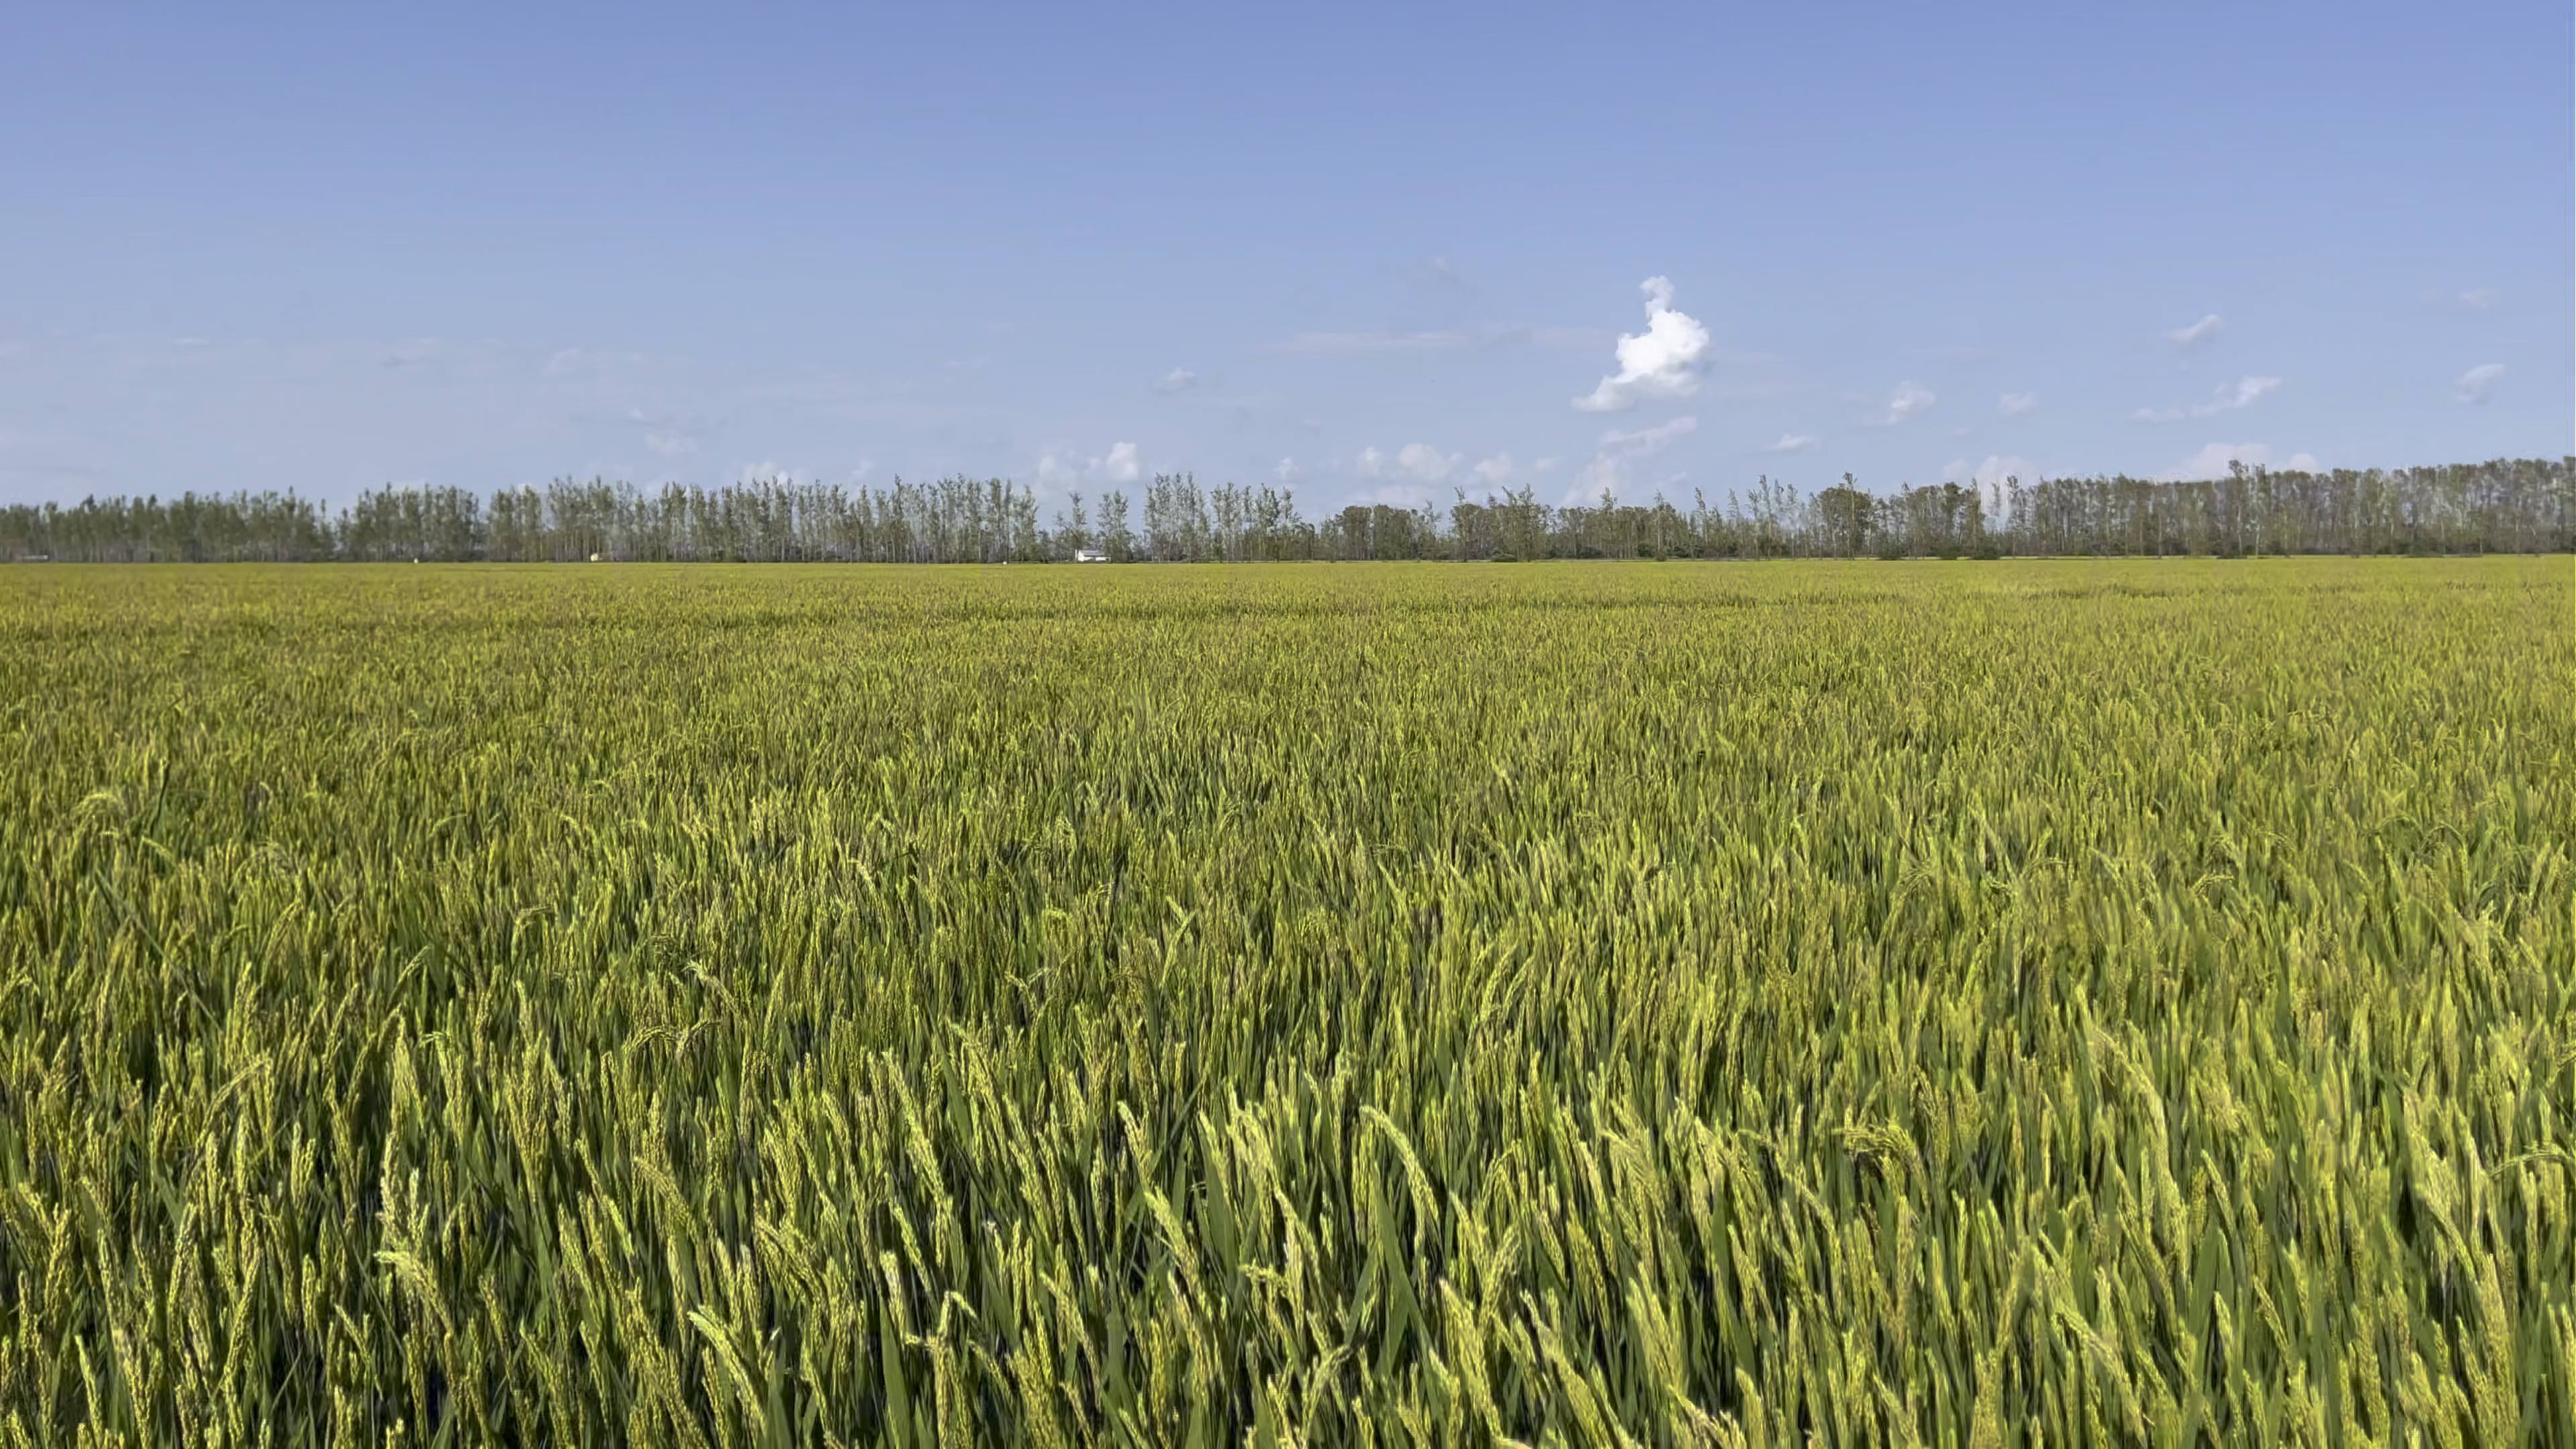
(1090,555)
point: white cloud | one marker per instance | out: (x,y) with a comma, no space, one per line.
(1988,479)
(1495,471)
(779,473)
(1399,495)
(1620,451)
(1179,379)
(1415,463)
(1546,465)
(1662,361)
(2244,392)
(2197,333)
(1793,443)
(2019,404)
(2478,298)
(1287,471)
(1994,470)
(2478,381)
(2212,461)
(1062,471)
(1908,399)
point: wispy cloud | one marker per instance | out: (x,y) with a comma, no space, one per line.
(668,434)
(1620,451)
(2198,332)
(2476,383)
(2478,299)
(2018,404)
(1179,379)
(1793,443)
(2242,393)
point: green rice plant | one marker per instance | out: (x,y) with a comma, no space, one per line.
(1838,1003)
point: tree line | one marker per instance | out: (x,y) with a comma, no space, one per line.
(2503,506)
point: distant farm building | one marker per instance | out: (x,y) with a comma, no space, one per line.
(1090,555)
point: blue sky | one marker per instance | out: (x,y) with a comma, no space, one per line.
(1379,251)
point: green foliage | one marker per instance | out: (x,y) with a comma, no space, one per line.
(1951,1004)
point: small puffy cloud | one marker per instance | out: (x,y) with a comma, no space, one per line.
(1909,399)
(1179,379)
(1121,465)
(2478,298)
(2478,381)
(1620,451)
(1662,361)
(2213,461)
(1793,443)
(1287,471)
(2244,392)
(2019,404)
(2197,333)
(1495,471)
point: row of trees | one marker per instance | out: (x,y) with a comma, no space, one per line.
(2510,505)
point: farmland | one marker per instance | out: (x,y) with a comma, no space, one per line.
(1947,1002)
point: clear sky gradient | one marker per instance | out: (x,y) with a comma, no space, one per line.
(1378,250)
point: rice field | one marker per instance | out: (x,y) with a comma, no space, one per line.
(1586,1004)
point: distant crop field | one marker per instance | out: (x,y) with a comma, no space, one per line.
(1576,1004)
